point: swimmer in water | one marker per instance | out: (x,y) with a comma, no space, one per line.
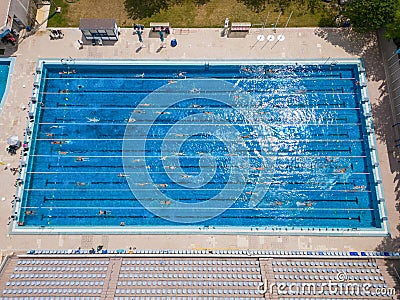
(341,170)
(63,91)
(246,136)
(79,158)
(29,212)
(181,74)
(170,167)
(258,168)
(179,134)
(138,111)
(166,202)
(62,152)
(172,81)
(162,185)
(245,69)
(179,153)
(194,90)
(123,175)
(208,113)
(81,183)
(249,193)
(195,106)
(58,142)
(145,104)
(49,134)
(131,120)
(185,176)
(92,120)
(359,187)
(308,204)
(163,112)
(278,203)
(104,212)
(142,184)
(139,75)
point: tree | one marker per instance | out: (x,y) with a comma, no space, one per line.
(369,15)
(393,29)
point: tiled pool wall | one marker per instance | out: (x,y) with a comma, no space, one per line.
(10,62)
(276,230)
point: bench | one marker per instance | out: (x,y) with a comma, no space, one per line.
(241,27)
(160,26)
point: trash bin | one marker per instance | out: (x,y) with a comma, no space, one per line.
(174,43)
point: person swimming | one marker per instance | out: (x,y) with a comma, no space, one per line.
(58,142)
(163,112)
(62,152)
(172,81)
(104,212)
(80,158)
(81,183)
(49,134)
(307,204)
(162,185)
(123,175)
(258,168)
(93,120)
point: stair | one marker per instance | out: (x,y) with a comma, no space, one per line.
(111,278)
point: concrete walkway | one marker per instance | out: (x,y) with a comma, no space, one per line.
(325,44)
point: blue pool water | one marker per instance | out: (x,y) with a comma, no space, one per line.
(5,66)
(191,144)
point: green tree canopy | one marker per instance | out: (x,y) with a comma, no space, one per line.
(369,15)
(393,29)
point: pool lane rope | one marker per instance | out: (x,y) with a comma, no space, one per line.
(246,182)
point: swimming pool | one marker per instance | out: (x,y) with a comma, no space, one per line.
(194,146)
(6,67)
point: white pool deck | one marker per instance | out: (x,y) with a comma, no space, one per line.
(299,43)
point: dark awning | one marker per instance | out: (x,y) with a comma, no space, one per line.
(87,24)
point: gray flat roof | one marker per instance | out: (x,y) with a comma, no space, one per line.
(97,24)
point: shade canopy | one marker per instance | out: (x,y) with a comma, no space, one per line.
(13,140)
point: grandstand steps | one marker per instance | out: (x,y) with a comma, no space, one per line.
(6,273)
(113,275)
(267,276)
(384,267)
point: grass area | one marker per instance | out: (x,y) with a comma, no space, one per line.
(188,13)
(59,19)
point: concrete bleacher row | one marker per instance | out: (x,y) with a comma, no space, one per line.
(193,277)
(184,277)
(221,252)
(318,272)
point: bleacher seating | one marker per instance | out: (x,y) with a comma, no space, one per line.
(180,274)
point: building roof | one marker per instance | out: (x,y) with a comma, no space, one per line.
(97,24)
